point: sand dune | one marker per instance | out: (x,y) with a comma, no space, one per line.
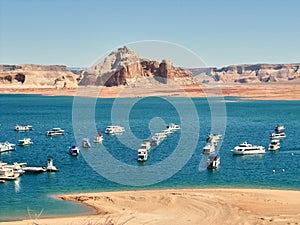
(184,206)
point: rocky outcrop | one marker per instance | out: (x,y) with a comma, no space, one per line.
(125,67)
(255,73)
(37,76)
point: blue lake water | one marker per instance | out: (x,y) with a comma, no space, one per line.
(251,121)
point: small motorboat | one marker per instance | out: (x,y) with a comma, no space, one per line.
(23,128)
(74,150)
(114,130)
(209,148)
(214,139)
(50,167)
(142,155)
(213,161)
(277,136)
(173,126)
(25,142)
(274,145)
(279,129)
(98,138)
(86,143)
(146,145)
(167,131)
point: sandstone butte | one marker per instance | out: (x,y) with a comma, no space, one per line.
(125,68)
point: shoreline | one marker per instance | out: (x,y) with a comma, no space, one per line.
(270,91)
(182,206)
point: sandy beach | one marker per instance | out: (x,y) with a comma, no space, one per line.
(183,206)
(270,91)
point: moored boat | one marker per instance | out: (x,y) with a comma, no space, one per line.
(50,167)
(6,146)
(173,126)
(274,145)
(142,155)
(86,143)
(277,136)
(34,169)
(155,140)
(279,129)
(248,149)
(209,148)
(161,135)
(114,130)
(98,138)
(25,142)
(214,139)
(74,150)
(17,167)
(167,131)
(146,145)
(8,173)
(23,128)
(55,132)
(213,161)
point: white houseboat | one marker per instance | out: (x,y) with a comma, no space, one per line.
(274,145)
(173,126)
(6,146)
(23,128)
(114,130)
(248,149)
(55,132)
(277,136)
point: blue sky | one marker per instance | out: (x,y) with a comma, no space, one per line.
(76,33)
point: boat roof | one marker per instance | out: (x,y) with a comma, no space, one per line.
(73,145)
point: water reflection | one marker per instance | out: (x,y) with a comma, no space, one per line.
(17,185)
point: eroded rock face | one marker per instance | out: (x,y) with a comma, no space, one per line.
(125,67)
(37,76)
(256,73)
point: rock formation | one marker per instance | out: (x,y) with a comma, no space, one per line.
(37,76)
(125,67)
(255,73)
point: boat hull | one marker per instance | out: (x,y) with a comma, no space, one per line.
(252,152)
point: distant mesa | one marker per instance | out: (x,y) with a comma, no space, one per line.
(125,67)
(37,76)
(249,73)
